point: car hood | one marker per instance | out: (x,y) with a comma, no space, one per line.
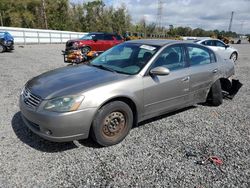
(70,80)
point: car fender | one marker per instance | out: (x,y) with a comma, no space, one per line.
(110,96)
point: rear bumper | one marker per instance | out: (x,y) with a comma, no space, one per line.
(58,127)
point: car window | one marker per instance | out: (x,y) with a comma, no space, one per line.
(118,37)
(123,54)
(219,44)
(124,58)
(108,37)
(171,58)
(142,53)
(99,36)
(208,43)
(91,36)
(198,56)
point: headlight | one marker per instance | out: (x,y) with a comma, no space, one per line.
(64,104)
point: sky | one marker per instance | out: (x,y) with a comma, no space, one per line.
(205,14)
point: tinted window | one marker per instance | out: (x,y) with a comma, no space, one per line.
(108,37)
(208,43)
(171,58)
(219,43)
(198,56)
(99,36)
(118,37)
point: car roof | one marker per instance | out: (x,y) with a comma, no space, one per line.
(157,42)
(101,33)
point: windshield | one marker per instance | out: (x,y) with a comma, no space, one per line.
(126,58)
(87,37)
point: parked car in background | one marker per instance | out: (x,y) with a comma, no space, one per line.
(6,42)
(226,51)
(95,41)
(127,84)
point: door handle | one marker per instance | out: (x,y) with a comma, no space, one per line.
(215,70)
(187,78)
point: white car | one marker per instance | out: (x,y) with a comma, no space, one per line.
(226,51)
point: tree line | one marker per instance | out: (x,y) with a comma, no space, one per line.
(86,17)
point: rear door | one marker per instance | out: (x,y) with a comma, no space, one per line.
(109,41)
(99,43)
(170,92)
(222,49)
(203,71)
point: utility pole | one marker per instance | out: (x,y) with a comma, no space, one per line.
(1,18)
(44,14)
(159,16)
(231,21)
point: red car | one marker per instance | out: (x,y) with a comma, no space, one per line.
(98,42)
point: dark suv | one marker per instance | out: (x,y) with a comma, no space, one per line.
(95,41)
(6,42)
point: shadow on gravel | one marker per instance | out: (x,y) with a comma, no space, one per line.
(34,141)
(38,143)
(164,116)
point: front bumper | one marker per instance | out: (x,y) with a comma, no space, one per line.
(9,45)
(58,127)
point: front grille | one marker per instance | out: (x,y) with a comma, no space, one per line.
(30,99)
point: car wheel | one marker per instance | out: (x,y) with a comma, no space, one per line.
(2,49)
(85,50)
(112,123)
(215,96)
(234,57)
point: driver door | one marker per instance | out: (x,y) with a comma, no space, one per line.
(169,92)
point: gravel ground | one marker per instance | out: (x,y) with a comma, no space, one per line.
(152,155)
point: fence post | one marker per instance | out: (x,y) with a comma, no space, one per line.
(50,37)
(61,37)
(24,38)
(38,36)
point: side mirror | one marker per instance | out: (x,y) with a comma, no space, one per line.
(227,46)
(160,71)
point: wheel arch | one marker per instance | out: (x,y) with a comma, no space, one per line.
(88,46)
(235,52)
(129,102)
(225,84)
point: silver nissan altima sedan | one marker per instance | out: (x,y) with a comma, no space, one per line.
(127,84)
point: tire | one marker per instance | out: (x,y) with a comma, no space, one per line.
(234,56)
(2,48)
(112,123)
(215,97)
(85,50)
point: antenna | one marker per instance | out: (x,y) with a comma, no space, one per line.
(231,21)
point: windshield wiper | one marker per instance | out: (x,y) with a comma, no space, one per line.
(103,67)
